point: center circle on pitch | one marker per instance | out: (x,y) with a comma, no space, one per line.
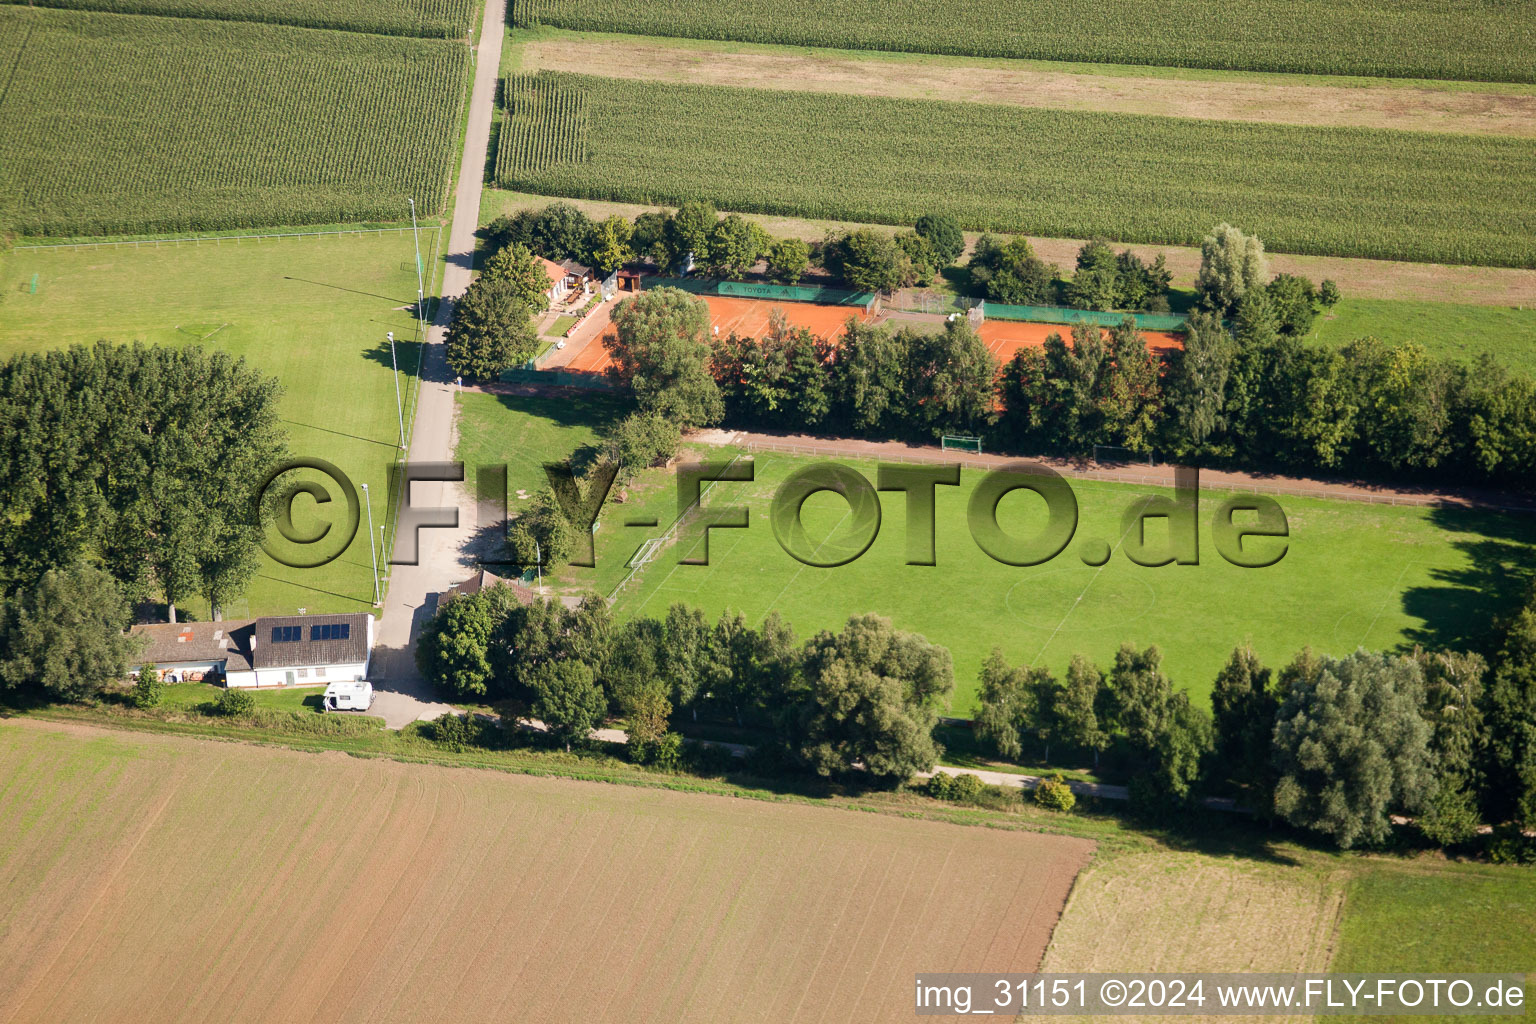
(1043,599)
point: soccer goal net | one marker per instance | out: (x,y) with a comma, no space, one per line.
(958,443)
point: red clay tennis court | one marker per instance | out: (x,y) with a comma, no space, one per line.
(1005,337)
(747,317)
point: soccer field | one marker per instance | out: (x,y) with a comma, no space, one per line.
(311,311)
(1355,575)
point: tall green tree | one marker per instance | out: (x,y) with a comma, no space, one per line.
(1509,709)
(868,695)
(1246,703)
(541,535)
(141,458)
(65,635)
(867,259)
(1010,272)
(687,234)
(788,260)
(951,380)
(1453,706)
(1351,746)
(1079,704)
(568,700)
(1096,283)
(1231,265)
(611,247)
(558,232)
(454,649)
(492,330)
(660,349)
(735,244)
(1195,389)
(1016,705)
(869,377)
(944,237)
(518,266)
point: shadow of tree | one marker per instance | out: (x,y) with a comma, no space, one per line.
(1463,606)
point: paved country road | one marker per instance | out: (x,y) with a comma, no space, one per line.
(402,696)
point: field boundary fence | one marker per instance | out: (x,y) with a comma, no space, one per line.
(1067,315)
(653,546)
(990,462)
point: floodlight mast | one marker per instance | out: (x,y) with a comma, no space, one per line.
(421,288)
(394,365)
(372,555)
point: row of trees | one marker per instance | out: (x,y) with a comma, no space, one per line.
(726,247)
(866,695)
(493,321)
(869,259)
(1334,745)
(139,460)
(1251,393)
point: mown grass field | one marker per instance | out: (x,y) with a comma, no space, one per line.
(1073,174)
(1430,917)
(1486,40)
(312,312)
(1447,329)
(145,872)
(445,19)
(1355,574)
(119,124)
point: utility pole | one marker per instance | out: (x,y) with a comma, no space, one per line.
(421,288)
(395,367)
(372,554)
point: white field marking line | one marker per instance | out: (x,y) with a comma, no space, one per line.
(1091,581)
(1383,606)
(675,525)
(675,528)
(800,570)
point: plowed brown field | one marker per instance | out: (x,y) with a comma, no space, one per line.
(154,878)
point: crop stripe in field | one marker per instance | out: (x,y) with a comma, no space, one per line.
(1135,178)
(1442,39)
(119,124)
(545,126)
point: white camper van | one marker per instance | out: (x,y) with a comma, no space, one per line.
(349,696)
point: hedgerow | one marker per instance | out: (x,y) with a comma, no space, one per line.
(1159,180)
(441,19)
(119,125)
(1486,41)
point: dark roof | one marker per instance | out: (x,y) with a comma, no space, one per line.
(172,643)
(573,267)
(484,580)
(308,651)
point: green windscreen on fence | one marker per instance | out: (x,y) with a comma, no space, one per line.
(767,292)
(796,293)
(1063,315)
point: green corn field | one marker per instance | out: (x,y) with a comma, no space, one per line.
(122,125)
(438,19)
(545,124)
(1483,40)
(1133,178)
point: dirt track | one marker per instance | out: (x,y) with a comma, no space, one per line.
(156,878)
(1480,112)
